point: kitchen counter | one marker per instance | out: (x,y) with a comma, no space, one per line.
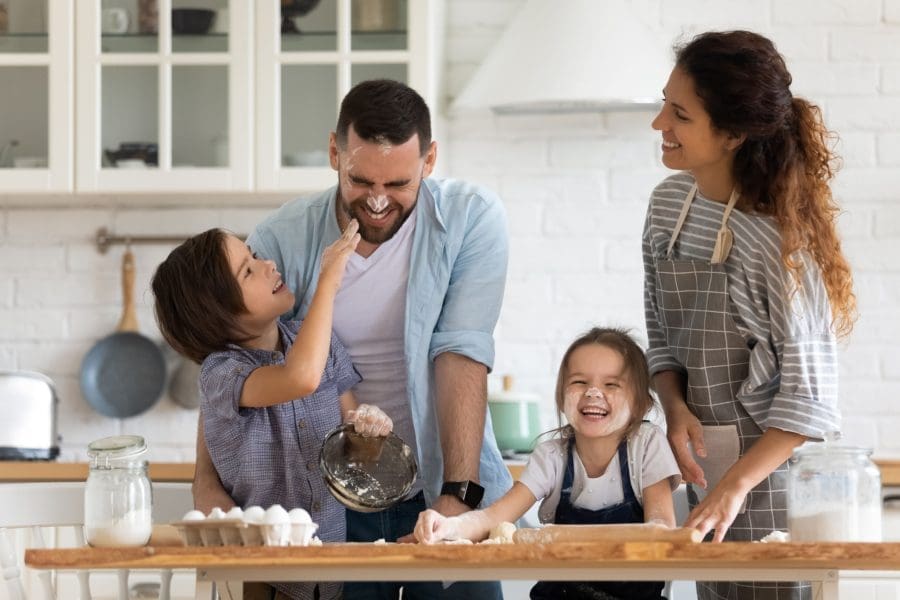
(817,562)
(24,471)
(30,471)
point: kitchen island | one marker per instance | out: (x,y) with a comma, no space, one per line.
(648,560)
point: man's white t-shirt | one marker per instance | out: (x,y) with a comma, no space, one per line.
(369,318)
(650,461)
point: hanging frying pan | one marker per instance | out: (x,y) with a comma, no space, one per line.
(124,374)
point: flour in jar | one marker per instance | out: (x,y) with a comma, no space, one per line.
(132,529)
(837,523)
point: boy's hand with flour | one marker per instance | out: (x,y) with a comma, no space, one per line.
(369,421)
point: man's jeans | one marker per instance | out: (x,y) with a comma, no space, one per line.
(391,524)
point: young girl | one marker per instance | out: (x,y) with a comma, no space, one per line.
(605,466)
(271,390)
(746,286)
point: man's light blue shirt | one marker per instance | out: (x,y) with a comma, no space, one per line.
(457,277)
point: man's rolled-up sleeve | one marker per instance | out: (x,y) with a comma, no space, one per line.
(475,293)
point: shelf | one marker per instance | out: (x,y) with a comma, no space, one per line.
(19,43)
(326,41)
(313,41)
(149,43)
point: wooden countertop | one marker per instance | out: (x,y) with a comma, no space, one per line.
(25,471)
(22,471)
(444,558)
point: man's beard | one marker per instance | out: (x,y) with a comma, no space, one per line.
(373,235)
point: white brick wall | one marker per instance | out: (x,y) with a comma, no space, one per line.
(585,186)
(59,295)
(575,189)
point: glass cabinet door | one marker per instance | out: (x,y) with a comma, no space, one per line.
(166,90)
(309,54)
(36,95)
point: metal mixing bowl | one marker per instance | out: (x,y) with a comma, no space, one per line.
(367,474)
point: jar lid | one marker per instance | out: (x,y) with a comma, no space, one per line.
(830,448)
(117,446)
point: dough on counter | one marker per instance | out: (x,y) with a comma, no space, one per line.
(776,537)
(502,533)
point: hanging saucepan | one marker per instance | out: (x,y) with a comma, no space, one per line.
(183,378)
(124,373)
(184,385)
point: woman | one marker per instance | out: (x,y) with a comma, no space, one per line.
(746,287)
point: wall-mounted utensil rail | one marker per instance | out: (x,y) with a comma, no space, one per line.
(105,238)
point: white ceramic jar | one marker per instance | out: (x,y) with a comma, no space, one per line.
(834,494)
(117,496)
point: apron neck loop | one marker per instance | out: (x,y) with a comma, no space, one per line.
(724,237)
(685,208)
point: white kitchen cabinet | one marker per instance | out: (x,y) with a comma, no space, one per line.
(36,71)
(161,108)
(245,106)
(302,75)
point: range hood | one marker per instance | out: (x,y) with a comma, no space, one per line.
(560,56)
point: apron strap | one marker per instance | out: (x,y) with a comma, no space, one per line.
(724,237)
(686,207)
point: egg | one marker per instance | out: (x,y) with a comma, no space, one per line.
(235,513)
(276,514)
(298,515)
(193,515)
(254,514)
(216,513)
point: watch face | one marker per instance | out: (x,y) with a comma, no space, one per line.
(469,492)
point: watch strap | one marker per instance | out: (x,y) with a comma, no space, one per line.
(468,492)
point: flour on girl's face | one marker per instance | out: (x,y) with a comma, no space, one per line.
(597,400)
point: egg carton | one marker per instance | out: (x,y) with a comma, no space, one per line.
(236,532)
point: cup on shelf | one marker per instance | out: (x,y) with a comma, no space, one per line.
(30,162)
(375,15)
(114,20)
(131,163)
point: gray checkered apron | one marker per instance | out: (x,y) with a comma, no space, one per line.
(695,311)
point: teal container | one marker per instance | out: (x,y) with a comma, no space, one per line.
(515,418)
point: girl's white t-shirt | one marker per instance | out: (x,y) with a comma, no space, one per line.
(650,461)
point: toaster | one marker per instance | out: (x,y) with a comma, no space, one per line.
(28,404)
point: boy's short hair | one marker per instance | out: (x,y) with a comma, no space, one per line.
(198,298)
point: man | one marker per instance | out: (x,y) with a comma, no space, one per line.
(416,310)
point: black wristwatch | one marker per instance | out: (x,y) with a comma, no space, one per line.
(469,492)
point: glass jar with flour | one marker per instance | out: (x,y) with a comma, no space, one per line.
(117,496)
(834,494)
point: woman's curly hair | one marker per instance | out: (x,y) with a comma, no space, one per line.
(785,165)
